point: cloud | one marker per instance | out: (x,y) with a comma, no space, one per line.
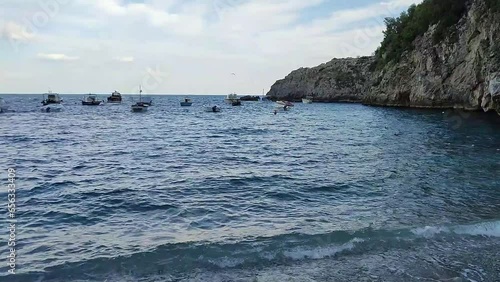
(13,31)
(124,59)
(260,40)
(56,57)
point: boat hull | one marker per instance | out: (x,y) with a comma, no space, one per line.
(214,109)
(282,109)
(52,108)
(307,101)
(94,103)
(45,103)
(139,109)
(186,104)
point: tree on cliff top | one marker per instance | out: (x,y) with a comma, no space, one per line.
(403,30)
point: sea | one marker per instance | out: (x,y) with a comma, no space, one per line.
(323,192)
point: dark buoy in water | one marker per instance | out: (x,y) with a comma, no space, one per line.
(275,112)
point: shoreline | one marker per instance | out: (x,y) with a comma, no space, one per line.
(378,105)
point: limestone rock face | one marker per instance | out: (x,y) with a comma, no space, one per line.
(460,72)
(340,80)
(455,73)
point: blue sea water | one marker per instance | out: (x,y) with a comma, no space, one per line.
(325,192)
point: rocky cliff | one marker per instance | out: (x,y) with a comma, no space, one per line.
(340,80)
(461,71)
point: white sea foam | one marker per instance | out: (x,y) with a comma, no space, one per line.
(491,229)
(429,231)
(301,253)
(227,262)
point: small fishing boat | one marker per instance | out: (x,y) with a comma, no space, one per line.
(140,106)
(283,106)
(250,98)
(52,98)
(115,98)
(284,103)
(233,99)
(186,102)
(91,100)
(212,109)
(307,100)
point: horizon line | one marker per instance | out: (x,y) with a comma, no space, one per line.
(158,94)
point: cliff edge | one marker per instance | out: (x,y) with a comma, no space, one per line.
(459,70)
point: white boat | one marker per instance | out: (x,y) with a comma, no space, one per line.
(307,100)
(91,100)
(283,106)
(284,103)
(186,102)
(115,98)
(52,98)
(212,109)
(233,99)
(282,109)
(140,106)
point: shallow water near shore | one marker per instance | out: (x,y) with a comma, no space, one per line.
(325,192)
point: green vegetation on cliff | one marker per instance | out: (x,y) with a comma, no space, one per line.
(494,5)
(403,30)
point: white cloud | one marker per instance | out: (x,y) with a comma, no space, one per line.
(196,40)
(125,59)
(13,31)
(56,57)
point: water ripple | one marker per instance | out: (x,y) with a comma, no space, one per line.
(180,194)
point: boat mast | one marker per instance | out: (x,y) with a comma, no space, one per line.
(140,93)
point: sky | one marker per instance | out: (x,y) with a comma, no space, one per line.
(179,46)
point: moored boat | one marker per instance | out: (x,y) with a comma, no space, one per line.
(212,109)
(52,98)
(115,98)
(140,106)
(307,100)
(285,103)
(91,100)
(186,102)
(233,99)
(250,98)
